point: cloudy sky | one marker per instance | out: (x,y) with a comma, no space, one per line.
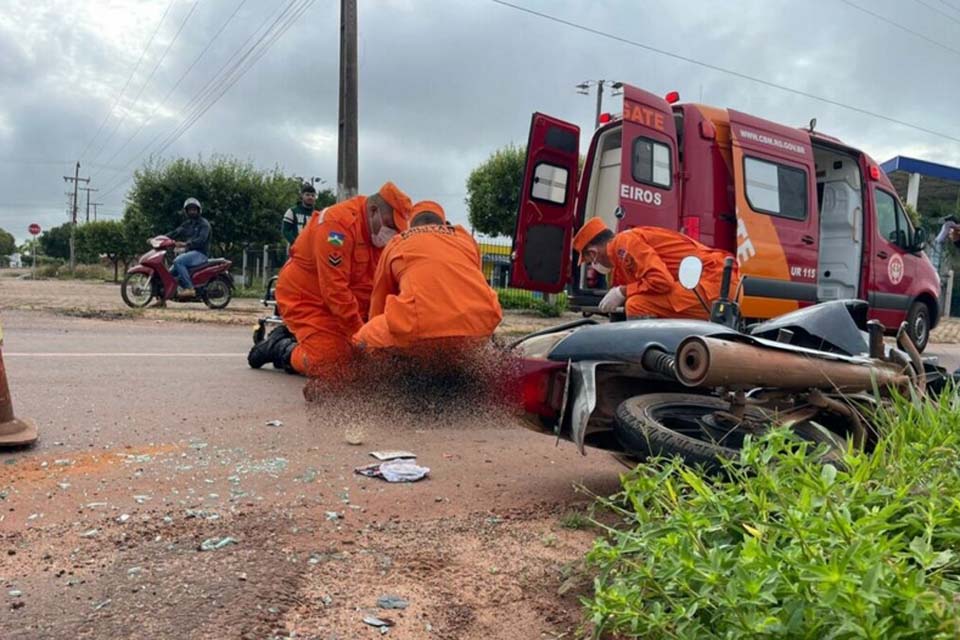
(443,83)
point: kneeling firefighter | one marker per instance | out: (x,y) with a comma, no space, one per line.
(430,288)
(323,291)
(644,262)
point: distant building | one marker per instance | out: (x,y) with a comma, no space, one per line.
(496,263)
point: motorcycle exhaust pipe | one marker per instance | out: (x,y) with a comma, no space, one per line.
(709,362)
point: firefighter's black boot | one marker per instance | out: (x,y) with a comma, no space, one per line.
(263,352)
(281,353)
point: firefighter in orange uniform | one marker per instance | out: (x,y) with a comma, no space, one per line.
(430,287)
(644,262)
(323,292)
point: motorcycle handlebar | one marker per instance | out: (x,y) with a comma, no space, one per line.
(725,282)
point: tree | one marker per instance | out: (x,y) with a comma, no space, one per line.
(104,238)
(8,246)
(243,204)
(493,192)
(55,242)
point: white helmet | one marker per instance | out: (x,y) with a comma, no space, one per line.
(194,202)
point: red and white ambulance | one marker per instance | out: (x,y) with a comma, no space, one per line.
(809,218)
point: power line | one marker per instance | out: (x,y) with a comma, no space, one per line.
(149,78)
(232,62)
(157,106)
(205,99)
(897,25)
(952,6)
(127,83)
(245,61)
(28,161)
(731,72)
(934,9)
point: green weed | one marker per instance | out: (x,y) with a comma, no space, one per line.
(783,546)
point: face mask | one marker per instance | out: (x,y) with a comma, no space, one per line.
(600,268)
(382,237)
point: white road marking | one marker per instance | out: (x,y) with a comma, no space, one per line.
(97,354)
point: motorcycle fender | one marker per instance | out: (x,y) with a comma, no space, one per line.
(565,401)
(139,268)
(583,386)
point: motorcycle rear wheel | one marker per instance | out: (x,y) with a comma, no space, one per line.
(137,290)
(218,293)
(681,424)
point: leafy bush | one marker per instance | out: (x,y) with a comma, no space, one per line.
(781,545)
(81,272)
(48,270)
(526,300)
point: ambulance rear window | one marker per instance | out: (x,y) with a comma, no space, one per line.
(775,188)
(651,163)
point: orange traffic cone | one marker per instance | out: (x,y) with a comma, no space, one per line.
(13,432)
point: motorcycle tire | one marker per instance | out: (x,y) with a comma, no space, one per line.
(671,424)
(126,291)
(223,293)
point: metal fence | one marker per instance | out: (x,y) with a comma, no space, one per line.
(257,264)
(496,264)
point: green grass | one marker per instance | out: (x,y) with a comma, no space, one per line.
(520,299)
(575,520)
(80,272)
(254,292)
(783,546)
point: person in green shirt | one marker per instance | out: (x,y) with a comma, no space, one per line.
(299,214)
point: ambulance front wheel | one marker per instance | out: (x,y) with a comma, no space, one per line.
(918,324)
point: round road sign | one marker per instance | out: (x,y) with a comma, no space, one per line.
(34,229)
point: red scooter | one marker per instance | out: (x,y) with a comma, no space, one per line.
(151,278)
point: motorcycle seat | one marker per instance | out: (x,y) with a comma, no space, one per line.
(210,262)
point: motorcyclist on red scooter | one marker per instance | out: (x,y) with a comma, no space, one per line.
(194,236)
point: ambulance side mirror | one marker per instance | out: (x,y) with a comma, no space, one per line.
(691,268)
(919,239)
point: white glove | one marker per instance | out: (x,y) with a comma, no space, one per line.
(614,298)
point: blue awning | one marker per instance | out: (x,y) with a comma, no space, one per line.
(923,167)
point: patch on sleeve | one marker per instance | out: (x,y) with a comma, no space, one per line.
(336,239)
(335,259)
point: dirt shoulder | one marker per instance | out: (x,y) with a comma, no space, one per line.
(101,300)
(102,523)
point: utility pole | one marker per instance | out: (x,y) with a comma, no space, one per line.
(347,178)
(76,179)
(88,190)
(95,205)
(584,89)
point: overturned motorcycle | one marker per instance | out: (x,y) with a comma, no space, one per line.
(696,389)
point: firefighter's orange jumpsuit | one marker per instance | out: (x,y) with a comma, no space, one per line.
(323,292)
(429,286)
(647,260)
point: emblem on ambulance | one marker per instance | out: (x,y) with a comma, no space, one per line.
(895,269)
